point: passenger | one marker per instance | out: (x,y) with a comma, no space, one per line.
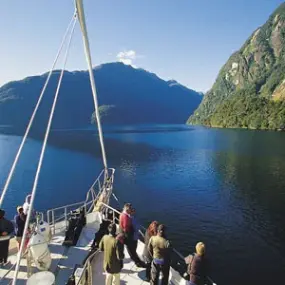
(125,221)
(160,248)
(20,220)
(151,231)
(136,228)
(121,241)
(128,229)
(26,205)
(6,228)
(197,266)
(113,256)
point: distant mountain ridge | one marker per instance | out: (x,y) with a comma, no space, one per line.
(126,96)
(249,91)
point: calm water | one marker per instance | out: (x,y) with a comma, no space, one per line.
(224,187)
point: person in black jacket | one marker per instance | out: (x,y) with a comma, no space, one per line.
(197,265)
(6,228)
(20,220)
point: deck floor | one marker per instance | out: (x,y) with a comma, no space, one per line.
(130,273)
(63,258)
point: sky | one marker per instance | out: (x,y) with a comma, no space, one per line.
(185,40)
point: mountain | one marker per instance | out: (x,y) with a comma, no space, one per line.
(126,96)
(249,91)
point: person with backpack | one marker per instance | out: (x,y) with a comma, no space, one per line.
(197,265)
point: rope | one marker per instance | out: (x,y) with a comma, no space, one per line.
(19,256)
(81,18)
(11,173)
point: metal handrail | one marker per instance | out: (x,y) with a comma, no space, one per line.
(8,271)
(88,203)
(142,227)
(69,205)
(66,214)
(142,234)
(88,264)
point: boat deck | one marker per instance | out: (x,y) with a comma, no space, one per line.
(64,258)
(130,274)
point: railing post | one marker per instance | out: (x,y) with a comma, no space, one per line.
(87,196)
(53,223)
(29,264)
(89,274)
(93,196)
(65,216)
(48,220)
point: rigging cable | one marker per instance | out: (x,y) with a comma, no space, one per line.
(81,18)
(34,190)
(12,170)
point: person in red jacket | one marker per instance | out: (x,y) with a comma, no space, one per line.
(126,221)
(127,228)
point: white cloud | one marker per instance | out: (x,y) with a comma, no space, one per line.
(131,54)
(127,61)
(128,57)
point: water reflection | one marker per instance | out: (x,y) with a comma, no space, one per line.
(253,185)
(225,187)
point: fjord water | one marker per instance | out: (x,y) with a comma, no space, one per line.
(223,187)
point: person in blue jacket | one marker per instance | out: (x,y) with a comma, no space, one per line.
(20,220)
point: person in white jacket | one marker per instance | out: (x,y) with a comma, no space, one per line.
(27,204)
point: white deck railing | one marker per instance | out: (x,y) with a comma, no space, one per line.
(142,233)
(59,216)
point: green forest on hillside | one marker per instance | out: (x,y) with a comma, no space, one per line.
(249,91)
(249,111)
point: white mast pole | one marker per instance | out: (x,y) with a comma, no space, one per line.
(81,19)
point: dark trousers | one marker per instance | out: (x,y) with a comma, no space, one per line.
(132,250)
(4,250)
(147,271)
(156,269)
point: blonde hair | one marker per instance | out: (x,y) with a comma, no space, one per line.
(19,208)
(200,248)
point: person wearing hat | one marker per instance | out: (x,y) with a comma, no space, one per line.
(27,204)
(160,249)
(6,228)
(197,265)
(20,220)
